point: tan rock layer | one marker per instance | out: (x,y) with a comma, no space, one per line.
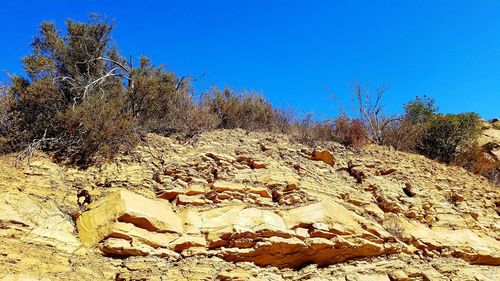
(323,233)
(437,221)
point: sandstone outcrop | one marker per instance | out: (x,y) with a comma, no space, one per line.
(126,210)
(39,223)
(232,205)
(490,139)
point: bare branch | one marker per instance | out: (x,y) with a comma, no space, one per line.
(33,146)
(127,68)
(371,112)
(101,79)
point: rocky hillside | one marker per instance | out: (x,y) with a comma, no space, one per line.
(231,205)
(491,138)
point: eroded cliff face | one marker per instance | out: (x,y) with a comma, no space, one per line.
(490,139)
(231,205)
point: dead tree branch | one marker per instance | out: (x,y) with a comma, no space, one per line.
(371,112)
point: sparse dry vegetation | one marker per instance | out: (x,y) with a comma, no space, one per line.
(246,110)
(84,102)
(349,132)
(394,227)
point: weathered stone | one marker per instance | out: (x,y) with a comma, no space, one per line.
(295,213)
(187,241)
(195,189)
(22,277)
(221,186)
(126,206)
(122,247)
(293,252)
(44,224)
(262,191)
(195,200)
(130,232)
(463,243)
(191,221)
(338,219)
(218,224)
(171,193)
(323,155)
(399,275)
(263,221)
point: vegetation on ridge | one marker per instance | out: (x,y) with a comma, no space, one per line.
(85,102)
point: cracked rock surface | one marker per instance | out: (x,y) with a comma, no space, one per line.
(233,205)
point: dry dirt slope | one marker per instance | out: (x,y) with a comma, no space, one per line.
(231,205)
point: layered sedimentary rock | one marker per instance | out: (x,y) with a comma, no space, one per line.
(232,205)
(324,233)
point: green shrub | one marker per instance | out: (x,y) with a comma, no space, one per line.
(448,135)
(450,138)
(495,123)
(72,99)
(83,101)
(34,106)
(407,131)
(420,110)
(4,120)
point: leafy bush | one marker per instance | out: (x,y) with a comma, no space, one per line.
(420,110)
(72,98)
(406,131)
(448,135)
(495,123)
(33,109)
(449,138)
(82,100)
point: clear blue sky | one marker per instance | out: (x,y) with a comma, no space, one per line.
(298,53)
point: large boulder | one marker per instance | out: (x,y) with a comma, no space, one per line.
(124,206)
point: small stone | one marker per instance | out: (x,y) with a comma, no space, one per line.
(411,213)
(456,197)
(323,155)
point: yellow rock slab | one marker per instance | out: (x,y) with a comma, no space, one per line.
(126,206)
